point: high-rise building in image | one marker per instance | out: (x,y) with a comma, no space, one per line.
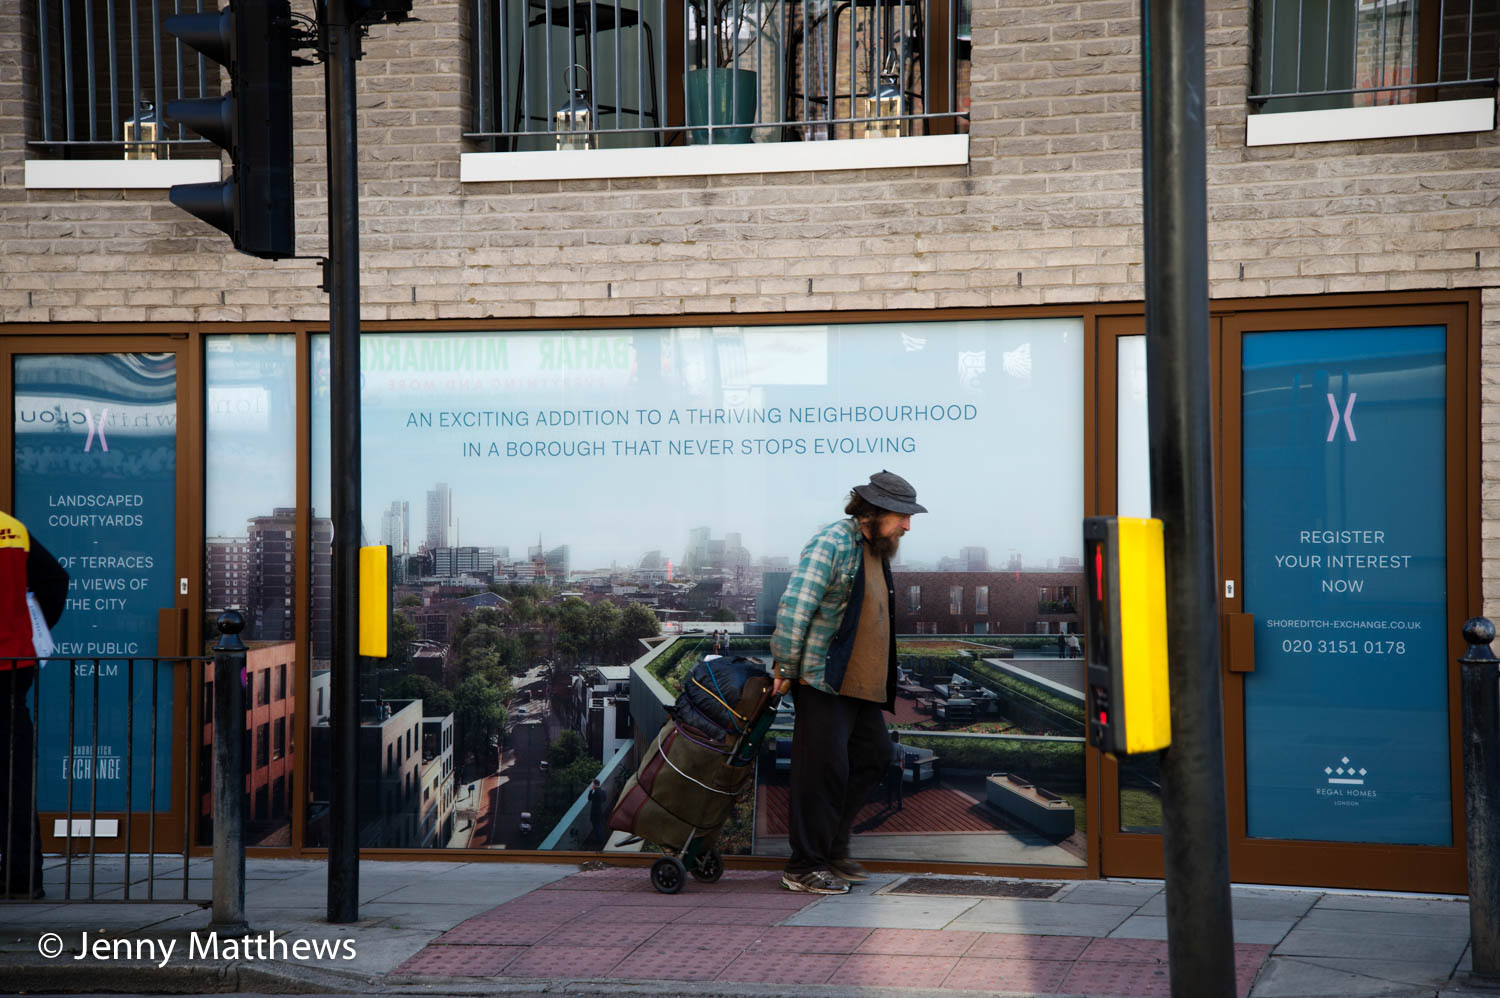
(395,527)
(227,564)
(439,516)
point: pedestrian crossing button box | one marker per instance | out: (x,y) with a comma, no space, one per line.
(1126,615)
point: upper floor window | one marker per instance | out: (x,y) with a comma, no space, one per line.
(105,72)
(1332,54)
(614,74)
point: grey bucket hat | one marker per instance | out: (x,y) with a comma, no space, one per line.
(890,491)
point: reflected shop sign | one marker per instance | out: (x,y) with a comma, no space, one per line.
(1346,713)
(95,481)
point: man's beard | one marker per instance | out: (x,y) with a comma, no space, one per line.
(884,547)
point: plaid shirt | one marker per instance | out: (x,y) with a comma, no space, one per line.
(814,602)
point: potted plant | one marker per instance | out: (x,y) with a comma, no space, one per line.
(719,91)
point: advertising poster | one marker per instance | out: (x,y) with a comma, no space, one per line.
(582,475)
(96,482)
(1346,713)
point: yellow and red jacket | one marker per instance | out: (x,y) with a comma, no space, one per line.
(25,564)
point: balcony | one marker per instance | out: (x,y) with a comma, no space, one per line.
(674,87)
(1327,71)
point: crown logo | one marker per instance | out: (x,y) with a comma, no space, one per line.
(1345,773)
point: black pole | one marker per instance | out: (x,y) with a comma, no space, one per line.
(341,35)
(1481,737)
(229,776)
(1200,933)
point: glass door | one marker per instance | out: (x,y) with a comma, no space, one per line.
(96,475)
(1345,539)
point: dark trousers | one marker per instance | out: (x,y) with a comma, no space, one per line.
(20,831)
(840,751)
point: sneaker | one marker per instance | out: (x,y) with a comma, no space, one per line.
(815,882)
(849,869)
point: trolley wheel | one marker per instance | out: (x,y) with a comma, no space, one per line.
(668,874)
(709,867)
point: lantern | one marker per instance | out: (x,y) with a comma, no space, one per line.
(574,120)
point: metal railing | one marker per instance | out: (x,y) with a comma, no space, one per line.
(1314,54)
(32,712)
(105,72)
(588,74)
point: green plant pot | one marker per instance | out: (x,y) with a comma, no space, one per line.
(731,106)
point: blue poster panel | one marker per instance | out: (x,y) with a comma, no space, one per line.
(96,482)
(1346,713)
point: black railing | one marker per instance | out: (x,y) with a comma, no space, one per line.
(105,72)
(30,699)
(1318,54)
(587,74)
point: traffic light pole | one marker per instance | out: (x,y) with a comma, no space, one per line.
(1200,934)
(340,33)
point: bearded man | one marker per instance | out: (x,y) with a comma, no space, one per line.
(835,650)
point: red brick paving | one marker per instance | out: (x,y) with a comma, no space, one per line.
(612,924)
(931,809)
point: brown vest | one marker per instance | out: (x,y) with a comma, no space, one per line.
(869,662)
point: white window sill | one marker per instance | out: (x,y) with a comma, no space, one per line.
(709,160)
(120,173)
(1385,122)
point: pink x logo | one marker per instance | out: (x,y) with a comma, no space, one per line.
(1333,427)
(96,428)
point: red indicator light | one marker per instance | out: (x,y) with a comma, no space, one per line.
(1102,718)
(1099,572)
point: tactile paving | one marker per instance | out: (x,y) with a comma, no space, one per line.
(769,967)
(1024,976)
(918,942)
(567,961)
(461,961)
(679,965)
(893,971)
(1016,946)
(812,939)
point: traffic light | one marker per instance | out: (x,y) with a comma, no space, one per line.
(1126,608)
(253,121)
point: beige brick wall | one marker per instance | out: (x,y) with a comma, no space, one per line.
(1047,211)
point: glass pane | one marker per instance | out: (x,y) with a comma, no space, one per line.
(1132,431)
(96,483)
(567,494)
(1346,713)
(250,498)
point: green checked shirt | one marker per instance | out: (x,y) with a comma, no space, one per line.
(816,597)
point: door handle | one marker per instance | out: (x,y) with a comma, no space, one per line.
(1239,642)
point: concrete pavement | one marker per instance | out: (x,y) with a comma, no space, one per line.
(525,928)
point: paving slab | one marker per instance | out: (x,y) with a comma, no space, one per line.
(1109,892)
(1043,917)
(885,912)
(1449,907)
(1431,974)
(1302,941)
(1246,930)
(1286,977)
(1251,903)
(1387,922)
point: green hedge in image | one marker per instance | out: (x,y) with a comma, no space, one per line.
(1056,765)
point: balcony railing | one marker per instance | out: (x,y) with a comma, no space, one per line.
(1318,54)
(106,71)
(591,74)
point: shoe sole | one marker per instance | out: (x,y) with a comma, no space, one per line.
(857,878)
(795,885)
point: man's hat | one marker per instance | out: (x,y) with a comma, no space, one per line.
(890,491)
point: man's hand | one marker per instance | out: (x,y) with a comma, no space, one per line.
(780,686)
